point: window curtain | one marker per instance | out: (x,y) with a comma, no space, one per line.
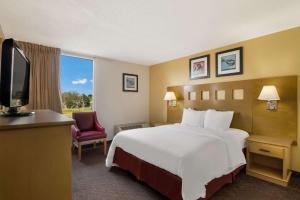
(1,40)
(44,76)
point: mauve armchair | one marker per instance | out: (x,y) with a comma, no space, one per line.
(87,130)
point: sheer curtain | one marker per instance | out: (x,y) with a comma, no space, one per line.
(44,76)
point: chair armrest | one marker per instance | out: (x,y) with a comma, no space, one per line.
(75,131)
(99,127)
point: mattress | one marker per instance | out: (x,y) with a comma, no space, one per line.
(194,154)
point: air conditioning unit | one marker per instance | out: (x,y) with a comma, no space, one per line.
(123,127)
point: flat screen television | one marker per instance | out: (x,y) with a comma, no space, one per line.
(14,82)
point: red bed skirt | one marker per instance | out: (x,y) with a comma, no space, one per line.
(163,181)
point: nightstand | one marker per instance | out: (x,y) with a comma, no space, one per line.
(159,124)
(268,158)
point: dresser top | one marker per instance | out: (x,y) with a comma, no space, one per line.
(279,141)
(38,119)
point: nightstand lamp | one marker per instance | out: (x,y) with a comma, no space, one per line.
(171,98)
(269,93)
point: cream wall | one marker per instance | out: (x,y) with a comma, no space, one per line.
(277,54)
(114,106)
(1,33)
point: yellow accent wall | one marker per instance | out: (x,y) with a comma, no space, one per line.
(277,54)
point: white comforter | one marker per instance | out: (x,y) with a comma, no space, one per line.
(196,155)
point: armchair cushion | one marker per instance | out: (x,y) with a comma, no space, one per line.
(85,121)
(87,127)
(75,131)
(98,127)
(90,135)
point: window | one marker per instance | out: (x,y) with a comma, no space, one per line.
(76,79)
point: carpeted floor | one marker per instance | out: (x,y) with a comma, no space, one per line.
(93,181)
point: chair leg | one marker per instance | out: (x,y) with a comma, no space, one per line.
(79,151)
(105,145)
(73,147)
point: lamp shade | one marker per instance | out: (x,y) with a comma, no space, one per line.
(269,93)
(170,96)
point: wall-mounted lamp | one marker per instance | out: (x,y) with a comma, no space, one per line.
(269,93)
(171,98)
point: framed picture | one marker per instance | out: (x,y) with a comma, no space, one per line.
(130,82)
(199,67)
(229,62)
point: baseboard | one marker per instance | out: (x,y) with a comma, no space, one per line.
(295,173)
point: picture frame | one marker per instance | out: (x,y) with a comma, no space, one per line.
(130,82)
(229,62)
(199,67)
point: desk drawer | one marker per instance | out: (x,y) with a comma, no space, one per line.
(265,149)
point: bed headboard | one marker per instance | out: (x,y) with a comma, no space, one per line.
(241,97)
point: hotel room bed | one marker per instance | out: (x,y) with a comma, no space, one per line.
(179,161)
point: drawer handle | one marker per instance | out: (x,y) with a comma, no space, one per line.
(264,150)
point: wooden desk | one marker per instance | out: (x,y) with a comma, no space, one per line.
(268,158)
(35,157)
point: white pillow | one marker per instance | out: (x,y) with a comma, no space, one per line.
(193,117)
(218,120)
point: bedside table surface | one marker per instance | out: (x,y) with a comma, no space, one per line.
(279,141)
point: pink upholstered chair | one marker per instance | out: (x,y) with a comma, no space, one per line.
(87,130)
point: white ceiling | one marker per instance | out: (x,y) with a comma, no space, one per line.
(144,31)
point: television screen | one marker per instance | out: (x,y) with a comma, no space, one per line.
(15,72)
(18,79)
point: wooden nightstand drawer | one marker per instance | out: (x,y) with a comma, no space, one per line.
(265,149)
